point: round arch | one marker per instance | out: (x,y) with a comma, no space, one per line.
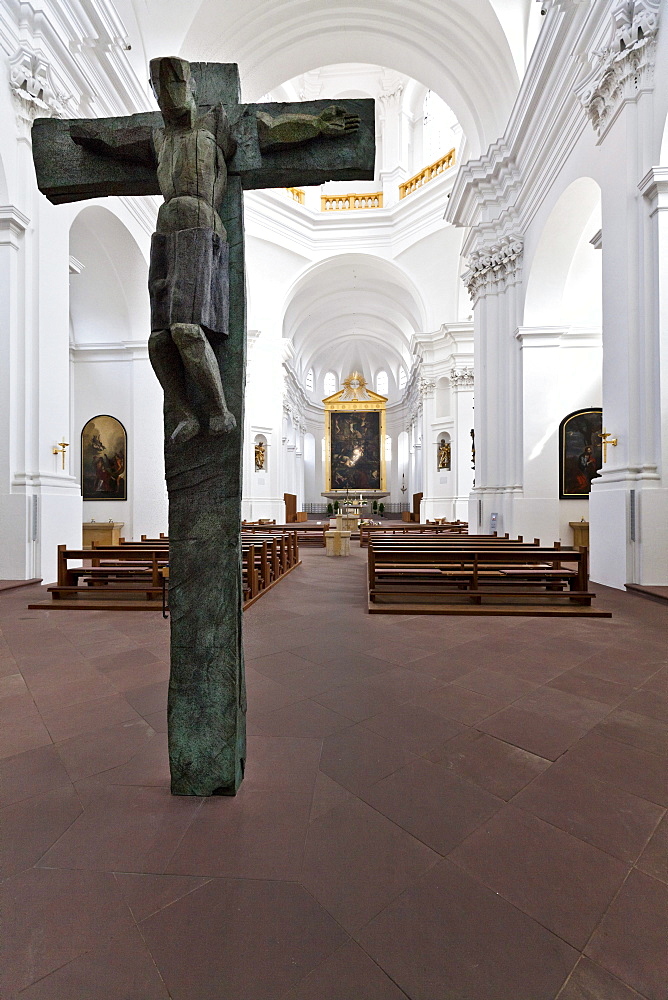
(460,53)
(352,311)
(564,283)
(108,294)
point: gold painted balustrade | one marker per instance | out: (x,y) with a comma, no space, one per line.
(345,202)
(428,174)
(297,195)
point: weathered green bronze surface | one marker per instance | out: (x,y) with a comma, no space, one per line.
(75,160)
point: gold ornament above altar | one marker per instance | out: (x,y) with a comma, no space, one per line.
(355,437)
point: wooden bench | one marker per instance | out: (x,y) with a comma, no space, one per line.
(133,576)
(495,576)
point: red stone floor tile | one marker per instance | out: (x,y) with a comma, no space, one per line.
(148,699)
(356,861)
(649,703)
(148,766)
(560,881)
(282,762)
(357,758)
(123,828)
(31,773)
(26,732)
(631,939)
(460,704)
(654,859)
(157,721)
(87,717)
(633,770)
(301,718)
(327,794)
(91,753)
(245,939)
(448,936)
(434,806)
(349,974)
(259,833)
(626,666)
(495,684)
(413,727)
(146,894)
(657,682)
(30,827)
(594,688)
(538,734)
(122,967)
(590,982)
(52,917)
(360,700)
(498,767)
(638,731)
(51,693)
(600,814)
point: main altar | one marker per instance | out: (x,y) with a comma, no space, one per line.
(355,445)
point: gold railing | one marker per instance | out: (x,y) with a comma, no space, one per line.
(428,174)
(297,195)
(345,202)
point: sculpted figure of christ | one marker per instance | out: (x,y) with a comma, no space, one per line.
(189,259)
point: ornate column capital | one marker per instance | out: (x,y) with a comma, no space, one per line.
(462,378)
(491,268)
(624,67)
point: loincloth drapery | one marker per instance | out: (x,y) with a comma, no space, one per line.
(188,280)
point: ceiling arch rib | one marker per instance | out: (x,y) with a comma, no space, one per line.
(351,312)
(459,50)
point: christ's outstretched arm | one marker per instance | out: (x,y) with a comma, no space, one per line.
(283,131)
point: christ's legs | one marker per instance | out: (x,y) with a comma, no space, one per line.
(201,365)
(168,366)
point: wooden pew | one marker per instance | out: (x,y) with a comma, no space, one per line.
(471,576)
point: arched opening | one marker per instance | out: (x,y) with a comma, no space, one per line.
(110,371)
(561,352)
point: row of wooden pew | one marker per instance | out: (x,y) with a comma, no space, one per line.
(134,576)
(443,573)
(411,529)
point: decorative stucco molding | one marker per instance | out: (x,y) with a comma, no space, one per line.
(35,93)
(461,378)
(427,388)
(492,267)
(624,67)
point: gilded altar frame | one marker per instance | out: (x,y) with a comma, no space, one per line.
(364,400)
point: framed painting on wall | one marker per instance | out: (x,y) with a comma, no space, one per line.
(104,459)
(580,455)
(355,450)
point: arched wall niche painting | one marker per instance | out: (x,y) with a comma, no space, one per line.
(580,453)
(104,448)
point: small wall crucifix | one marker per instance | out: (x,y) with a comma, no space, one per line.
(605,441)
(61,449)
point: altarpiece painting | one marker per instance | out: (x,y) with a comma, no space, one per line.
(580,455)
(354,436)
(104,459)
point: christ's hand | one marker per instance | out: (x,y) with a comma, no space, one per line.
(337,121)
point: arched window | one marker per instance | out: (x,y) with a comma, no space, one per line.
(309,380)
(331,383)
(382,383)
(403,378)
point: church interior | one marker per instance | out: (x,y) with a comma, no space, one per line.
(452,572)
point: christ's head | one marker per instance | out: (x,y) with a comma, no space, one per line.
(173,87)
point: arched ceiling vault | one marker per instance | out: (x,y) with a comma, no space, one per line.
(458,48)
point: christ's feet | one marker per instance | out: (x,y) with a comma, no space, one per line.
(185,430)
(222,423)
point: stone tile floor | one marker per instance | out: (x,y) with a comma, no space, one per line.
(434,808)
